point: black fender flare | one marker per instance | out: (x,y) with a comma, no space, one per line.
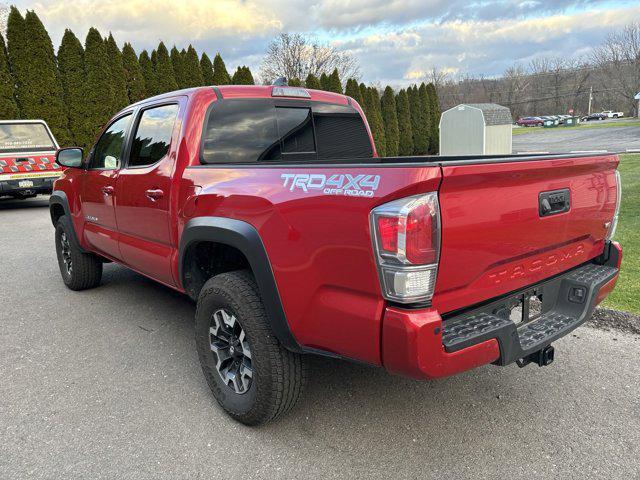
(58,197)
(244,237)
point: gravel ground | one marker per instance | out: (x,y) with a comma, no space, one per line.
(106,384)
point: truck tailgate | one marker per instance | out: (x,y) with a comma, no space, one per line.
(497,236)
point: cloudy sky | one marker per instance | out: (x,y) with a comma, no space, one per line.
(395,41)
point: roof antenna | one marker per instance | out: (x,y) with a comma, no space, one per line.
(280,82)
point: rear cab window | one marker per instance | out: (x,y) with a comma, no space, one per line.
(21,137)
(265,130)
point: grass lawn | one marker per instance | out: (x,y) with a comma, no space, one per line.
(626,295)
(582,126)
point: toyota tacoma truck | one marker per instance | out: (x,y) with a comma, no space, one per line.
(269,207)
(27,158)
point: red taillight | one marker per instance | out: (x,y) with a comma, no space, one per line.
(388,228)
(420,243)
(406,234)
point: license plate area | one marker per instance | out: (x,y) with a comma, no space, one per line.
(25,183)
(523,308)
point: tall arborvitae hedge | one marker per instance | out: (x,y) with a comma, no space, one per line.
(8,107)
(374,115)
(73,77)
(220,74)
(148,73)
(192,70)
(405,132)
(390,122)
(420,139)
(133,75)
(353,90)
(363,93)
(17,51)
(425,105)
(177,61)
(434,137)
(40,92)
(324,82)
(207,69)
(294,82)
(333,83)
(116,74)
(164,71)
(98,91)
(312,82)
(242,76)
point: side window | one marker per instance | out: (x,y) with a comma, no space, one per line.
(153,135)
(107,153)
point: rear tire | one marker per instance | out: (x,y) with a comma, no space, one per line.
(252,376)
(80,271)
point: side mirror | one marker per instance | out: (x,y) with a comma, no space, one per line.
(69,157)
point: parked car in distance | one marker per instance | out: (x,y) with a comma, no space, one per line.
(530,122)
(594,116)
(27,158)
(269,207)
(612,114)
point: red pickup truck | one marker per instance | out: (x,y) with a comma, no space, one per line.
(269,207)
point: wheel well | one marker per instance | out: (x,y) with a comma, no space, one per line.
(203,260)
(56,212)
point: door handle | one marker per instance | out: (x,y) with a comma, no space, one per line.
(107,190)
(154,194)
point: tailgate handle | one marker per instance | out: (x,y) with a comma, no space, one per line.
(554,202)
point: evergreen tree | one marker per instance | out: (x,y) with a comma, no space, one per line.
(73,76)
(40,88)
(164,71)
(363,93)
(405,139)
(177,61)
(333,83)
(420,145)
(8,107)
(390,122)
(192,70)
(434,137)
(149,74)
(294,82)
(353,90)
(17,52)
(98,91)
(207,69)
(220,74)
(374,117)
(425,105)
(324,82)
(242,76)
(133,75)
(116,74)
(312,82)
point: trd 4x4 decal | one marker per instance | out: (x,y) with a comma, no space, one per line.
(337,184)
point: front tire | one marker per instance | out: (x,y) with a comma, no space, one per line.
(252,376)
(79,270)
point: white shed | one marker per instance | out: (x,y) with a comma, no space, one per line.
(476,129)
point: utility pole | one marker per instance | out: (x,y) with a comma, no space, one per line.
(590,99)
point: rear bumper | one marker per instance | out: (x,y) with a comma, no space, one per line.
(41,184)
(421,344)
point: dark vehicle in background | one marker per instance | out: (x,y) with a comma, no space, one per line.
(530,122)
(594,116)
(27,158)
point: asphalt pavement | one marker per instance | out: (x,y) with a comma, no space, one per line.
(618,138)
(106,384)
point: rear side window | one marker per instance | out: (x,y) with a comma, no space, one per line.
(153,135)
(245,131)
